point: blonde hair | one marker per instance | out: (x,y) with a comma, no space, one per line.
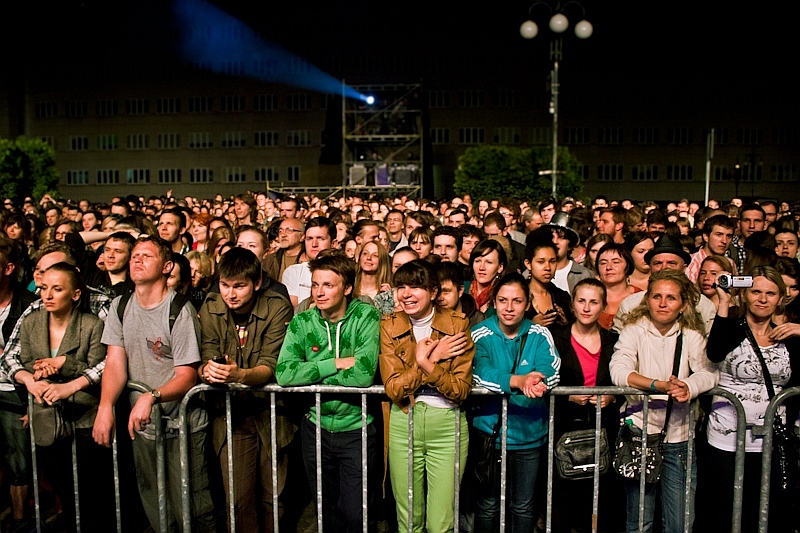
(384,273)
(689,319)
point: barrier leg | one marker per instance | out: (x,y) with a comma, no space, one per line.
(410,469)
(75,479)
(36,503)
(273,447)
(318,445)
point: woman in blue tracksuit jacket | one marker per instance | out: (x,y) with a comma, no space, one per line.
(504,342)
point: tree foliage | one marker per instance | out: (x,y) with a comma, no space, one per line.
(27,168)
(506,171)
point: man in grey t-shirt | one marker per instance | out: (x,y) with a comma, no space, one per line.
(142,348)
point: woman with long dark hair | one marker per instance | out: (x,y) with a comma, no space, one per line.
(488,261)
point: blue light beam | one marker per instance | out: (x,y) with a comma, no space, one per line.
(216,41)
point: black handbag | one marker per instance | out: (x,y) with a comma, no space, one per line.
(628,448)
(49,424)
(574,454)
(482,454)
(785,442)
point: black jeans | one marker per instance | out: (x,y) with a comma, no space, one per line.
(341,475)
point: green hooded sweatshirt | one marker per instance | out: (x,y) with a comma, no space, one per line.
(309,352)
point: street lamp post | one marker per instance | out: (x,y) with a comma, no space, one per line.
(558,24)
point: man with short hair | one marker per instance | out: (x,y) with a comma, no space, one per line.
(656,224)
(510,211)
(532,220)
(447,243)
(452,295)
(394,227)
(470,237)
(751,219)
(717,237)
(568,272)
(320,235)
(770,211)
(290,208)
(457,218)
(255,240)
(116,257)
(171,225)
(244,206)
(612,223)
(335,343)
(667,254)
(786,243)
(494,225)
(290,251)
(144,348)
(548,208)
(245,326)
(366,230)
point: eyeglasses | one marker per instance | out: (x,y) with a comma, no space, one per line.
(288,231)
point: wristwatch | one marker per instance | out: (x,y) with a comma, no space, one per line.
(156,394)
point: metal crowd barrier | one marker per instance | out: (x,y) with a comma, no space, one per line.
(766,458)
(318,390)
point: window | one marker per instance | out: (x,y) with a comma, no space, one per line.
(231,104)
(45,109)
(721,173)
(471,135)
(169,175)
(233,174)
(679,172)
(507,136)
(77,177)
(200,139)
(721,135)
(165,106)
(784,172)
(49,140)
(107,142)
(750,136)
(645,136)
(298,102)
(293,173)
(298,138)
(106,108)
(201,104)
(610,136)
(541,136)
(576,136)
(201,175)
(169,141)
(265,102)
(645,173)
(78,142)
(440,136)
(506,98)
(266,174)
(138,175)
(263,67)
(438,99)
(137,141)
(76,108)
(784,136)
(137,106)
(107,177)
(609,172)
(234,68)
(233,139)
(472,99)
(680,136)
(266,138)
(749,175)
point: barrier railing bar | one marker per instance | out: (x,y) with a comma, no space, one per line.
(34,465)
(318,457)
(410,494)
(551,408)
(766,457)
(231,484)
(273,447)
(364,460)
(643,465)
(74,448)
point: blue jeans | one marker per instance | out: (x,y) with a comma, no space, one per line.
(521,470)
(673,493)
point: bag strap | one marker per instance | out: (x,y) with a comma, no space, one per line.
(757,350)
(676,365)
(496,430)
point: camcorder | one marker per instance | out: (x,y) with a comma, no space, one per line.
(727,282)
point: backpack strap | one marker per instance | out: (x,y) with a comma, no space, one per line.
(174,307)
(123,303)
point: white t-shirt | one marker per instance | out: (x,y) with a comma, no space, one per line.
(560,279)
(741,374)
(297,279)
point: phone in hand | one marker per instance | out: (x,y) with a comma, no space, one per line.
(220,360)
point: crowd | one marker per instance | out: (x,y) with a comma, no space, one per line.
(429,299)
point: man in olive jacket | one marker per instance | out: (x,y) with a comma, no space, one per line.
(246,326)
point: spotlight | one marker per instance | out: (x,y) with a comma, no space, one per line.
(370,100)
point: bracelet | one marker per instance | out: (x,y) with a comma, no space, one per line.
(653,386)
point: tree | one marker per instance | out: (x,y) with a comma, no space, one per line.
(506,171)
(27,168)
